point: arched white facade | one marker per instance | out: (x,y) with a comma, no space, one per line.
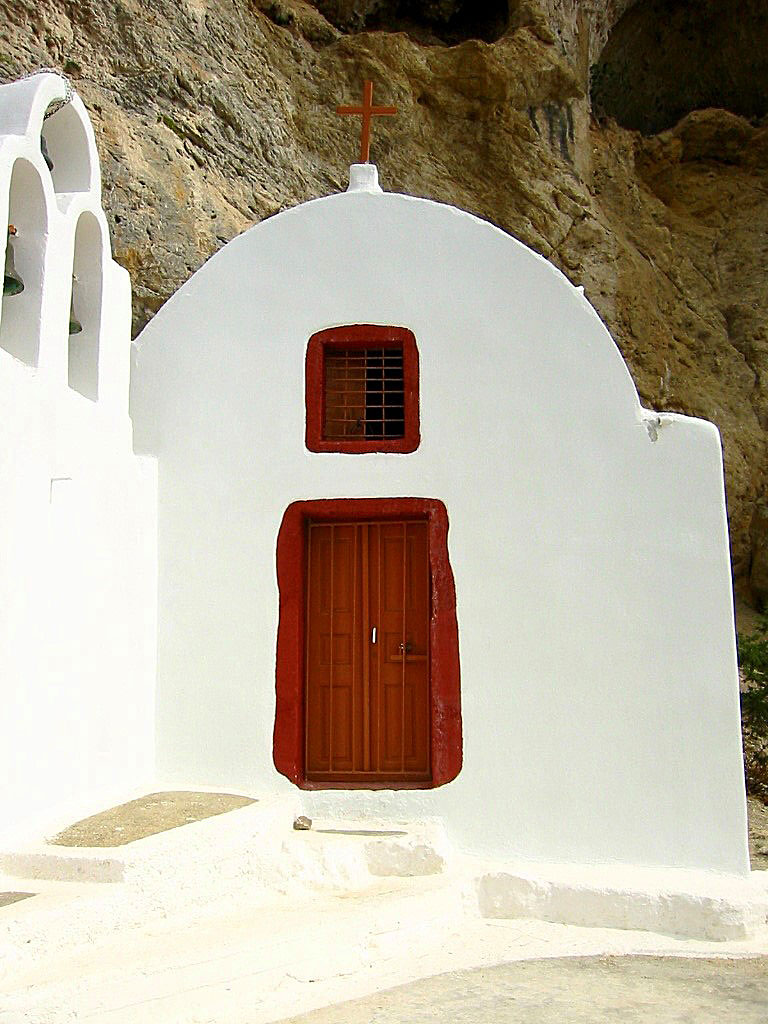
(77,519)
(588,537)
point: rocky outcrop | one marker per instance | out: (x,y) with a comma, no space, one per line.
(211,116)
(441,22)
(665,58)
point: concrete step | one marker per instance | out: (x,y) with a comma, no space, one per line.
(686,904)
(256,850)
(67,916)
(257,842)
(251,856)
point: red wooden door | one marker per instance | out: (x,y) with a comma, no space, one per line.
(367,657)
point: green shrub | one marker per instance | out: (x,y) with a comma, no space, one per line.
(753,661)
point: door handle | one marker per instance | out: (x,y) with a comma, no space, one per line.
(373,635)
(405,648)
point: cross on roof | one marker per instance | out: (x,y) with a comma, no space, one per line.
(367,111)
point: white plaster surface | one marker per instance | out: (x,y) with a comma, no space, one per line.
(599,683)
(78,512)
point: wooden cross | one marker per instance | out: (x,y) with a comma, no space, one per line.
(367,111)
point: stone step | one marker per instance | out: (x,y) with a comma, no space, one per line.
(686,904)
(256,842)
(64,916)
(256,849)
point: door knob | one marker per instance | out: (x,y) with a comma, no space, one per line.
(405,648)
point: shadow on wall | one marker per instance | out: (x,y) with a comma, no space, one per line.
(85,308)
(23,278)
(66,144)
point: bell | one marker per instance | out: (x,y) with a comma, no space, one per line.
(75,327)
(46,154)
(12,283)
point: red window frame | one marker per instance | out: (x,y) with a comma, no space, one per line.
(361,336)
(288,747)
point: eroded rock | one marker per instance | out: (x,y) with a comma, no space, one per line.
(665,58)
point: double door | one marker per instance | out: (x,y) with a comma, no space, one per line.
(367,653)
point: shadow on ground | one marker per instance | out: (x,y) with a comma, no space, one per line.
(575,990)
(147,816)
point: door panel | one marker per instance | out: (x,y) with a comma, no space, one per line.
(367,655)
(332,602)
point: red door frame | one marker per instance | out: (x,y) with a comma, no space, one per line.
(445,689)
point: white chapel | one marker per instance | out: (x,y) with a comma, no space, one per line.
(384,529)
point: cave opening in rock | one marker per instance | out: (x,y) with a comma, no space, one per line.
(432,22)
(665,58)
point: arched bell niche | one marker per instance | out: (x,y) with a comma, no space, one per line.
(85,308)
(20,315)
(66,144)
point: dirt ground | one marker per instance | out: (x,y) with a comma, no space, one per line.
(758,836)
(577,990)
(747,619)
(146,816)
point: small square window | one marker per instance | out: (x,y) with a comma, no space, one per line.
(362,390)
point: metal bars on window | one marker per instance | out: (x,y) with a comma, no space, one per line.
(364,393)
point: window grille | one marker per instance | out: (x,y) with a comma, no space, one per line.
(362,390)
(364,393)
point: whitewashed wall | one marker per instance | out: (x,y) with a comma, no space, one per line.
(78,511)
(599,684)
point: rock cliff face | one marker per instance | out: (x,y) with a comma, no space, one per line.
(212,115)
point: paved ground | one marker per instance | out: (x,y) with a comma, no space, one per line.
(239,961)
(147,816)
(580,990)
